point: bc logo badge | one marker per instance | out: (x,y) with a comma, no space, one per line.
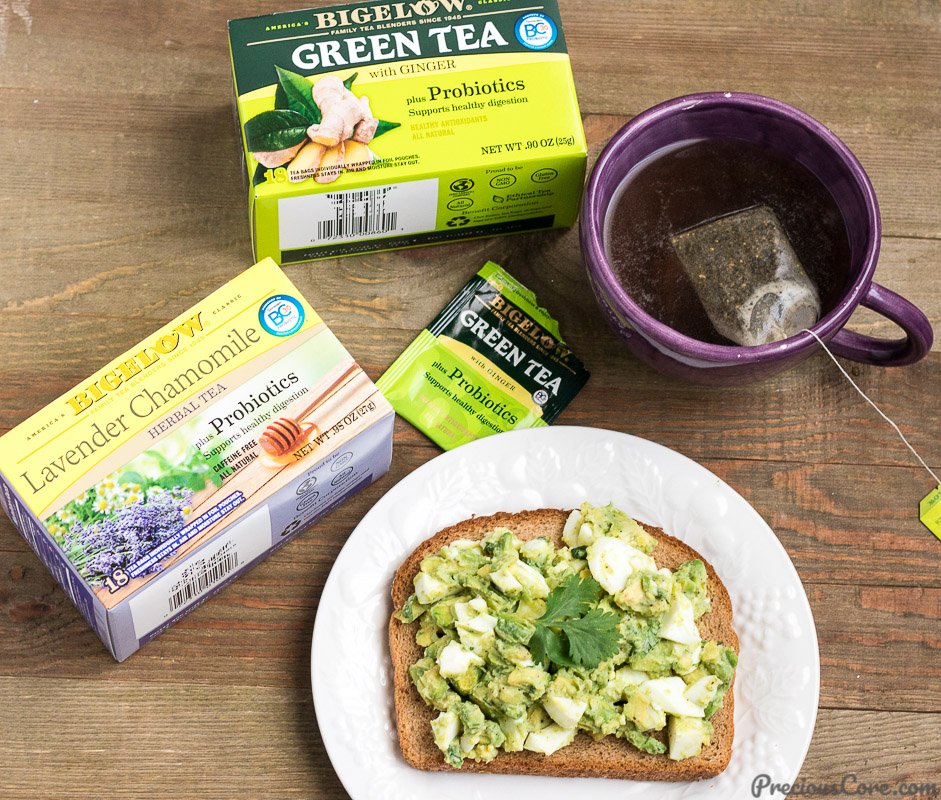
(281,315)
(536,31)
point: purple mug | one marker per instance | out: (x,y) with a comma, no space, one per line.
(796,135)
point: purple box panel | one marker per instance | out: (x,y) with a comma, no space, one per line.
(38,538)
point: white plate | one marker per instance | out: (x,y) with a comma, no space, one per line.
(778,680)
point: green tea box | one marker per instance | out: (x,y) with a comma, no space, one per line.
(374,126)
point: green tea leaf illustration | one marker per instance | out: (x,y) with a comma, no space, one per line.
(295,95)
(280,98)
(348,83)
(385,126)
(275,130)
(259,176)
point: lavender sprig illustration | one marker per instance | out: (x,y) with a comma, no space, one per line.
(117,541)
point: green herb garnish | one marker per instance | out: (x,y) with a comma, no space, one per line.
(571,633)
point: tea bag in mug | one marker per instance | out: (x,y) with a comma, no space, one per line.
(748,277)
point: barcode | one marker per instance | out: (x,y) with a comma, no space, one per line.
(358,213)
(202,574)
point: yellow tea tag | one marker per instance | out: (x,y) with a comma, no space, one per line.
(929,511)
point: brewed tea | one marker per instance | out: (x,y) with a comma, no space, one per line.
(695,184)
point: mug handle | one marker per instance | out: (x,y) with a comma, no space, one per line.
(887,352)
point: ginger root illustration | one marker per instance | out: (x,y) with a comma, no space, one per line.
(315,131)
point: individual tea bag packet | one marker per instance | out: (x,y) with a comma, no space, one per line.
(748,277)
(493,360)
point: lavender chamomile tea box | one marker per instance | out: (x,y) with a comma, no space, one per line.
(188,459)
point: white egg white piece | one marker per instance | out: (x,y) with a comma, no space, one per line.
(506,581)
(679,623)
(668,695)
(445,729)
(686,737)
(625,678)
(469,742)
(454,660)
(641,561)
(571,526)
(531,579)
(428,589)
(462,612)
(453,550)
(536,548)
(482,623)
(478,604)
(703,691)
(565,711)
(515,732)
(609,561)
(549,739)
(585,535)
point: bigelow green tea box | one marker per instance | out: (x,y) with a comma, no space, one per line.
(374,126)
(185,461)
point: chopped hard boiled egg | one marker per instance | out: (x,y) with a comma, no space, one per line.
(506,581)
(625,677)
(679,623)
(703,691)
(462,612)
(687,736)
(530,578)
(428,589)
(454,660)
(609,561)
(482,623)
(563,710)
(445,729)
(570,531)
(469,741)
(454,549)
(668,694)
(687,657)
(641,561)
(515,731)
(549,739)
(585,535)
(539,549)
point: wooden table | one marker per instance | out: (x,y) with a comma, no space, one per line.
(123,203)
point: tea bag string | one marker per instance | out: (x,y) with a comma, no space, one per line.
(878,410)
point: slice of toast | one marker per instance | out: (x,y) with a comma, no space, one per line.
(611,757)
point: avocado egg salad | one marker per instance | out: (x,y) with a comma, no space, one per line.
(527,643)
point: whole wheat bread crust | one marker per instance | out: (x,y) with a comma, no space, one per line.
(610,757)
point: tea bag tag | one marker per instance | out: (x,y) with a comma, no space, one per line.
(929,511)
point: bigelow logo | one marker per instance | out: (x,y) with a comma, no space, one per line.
(383,12)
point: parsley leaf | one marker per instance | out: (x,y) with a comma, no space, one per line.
(572,598)
(592,638)
(548,645)
(571,633)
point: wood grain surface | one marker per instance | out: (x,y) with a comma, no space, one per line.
(123,203)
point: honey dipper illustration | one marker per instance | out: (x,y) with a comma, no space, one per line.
(287,434)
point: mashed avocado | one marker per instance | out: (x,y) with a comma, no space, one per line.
(525,643)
